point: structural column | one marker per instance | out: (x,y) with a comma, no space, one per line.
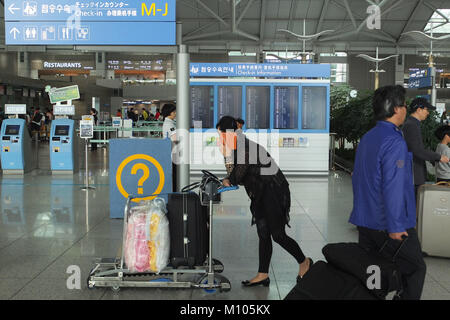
(183,116)
(23,64)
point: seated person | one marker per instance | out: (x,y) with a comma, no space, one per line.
(443,169)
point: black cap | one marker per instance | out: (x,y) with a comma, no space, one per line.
(420,103)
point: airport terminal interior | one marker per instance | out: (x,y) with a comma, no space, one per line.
(82,90)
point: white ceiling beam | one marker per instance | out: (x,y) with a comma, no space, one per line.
(206,35)
(322,15)
(350,13)
(249,3)
(292,12)
(411,17)
(262,19)
(211,12)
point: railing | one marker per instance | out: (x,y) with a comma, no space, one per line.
(153,131)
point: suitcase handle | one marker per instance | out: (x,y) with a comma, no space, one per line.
(402,243)
(443,183)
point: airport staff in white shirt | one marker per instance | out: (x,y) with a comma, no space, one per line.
(169,129)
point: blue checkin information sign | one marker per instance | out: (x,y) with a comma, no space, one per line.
(259,70)
(84,22)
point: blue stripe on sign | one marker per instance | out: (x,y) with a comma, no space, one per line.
(91,33)
(90,10)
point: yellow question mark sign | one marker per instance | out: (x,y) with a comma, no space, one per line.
(146,170)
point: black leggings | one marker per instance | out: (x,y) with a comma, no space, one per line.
(265,232)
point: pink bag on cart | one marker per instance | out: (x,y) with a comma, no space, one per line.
(147,244)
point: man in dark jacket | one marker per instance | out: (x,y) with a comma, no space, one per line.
(384,209)
(419,108)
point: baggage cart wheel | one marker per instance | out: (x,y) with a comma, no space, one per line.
(220,282)
(115,288)
(89,286)
(218,266)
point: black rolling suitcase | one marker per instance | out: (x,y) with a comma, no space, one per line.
(359,262)
(345,276)
(325,282)
(188,230)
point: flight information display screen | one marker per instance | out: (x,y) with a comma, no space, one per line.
(202,105)
(12,130)
(229,101)
(61,130)
(257,107)
(286,108)
(314,108)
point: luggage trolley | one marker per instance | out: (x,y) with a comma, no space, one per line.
(112,272)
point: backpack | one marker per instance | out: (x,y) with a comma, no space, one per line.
(37,117)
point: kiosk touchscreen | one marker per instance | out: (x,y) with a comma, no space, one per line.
(63,147)
(17,155)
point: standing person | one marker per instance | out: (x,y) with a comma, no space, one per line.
(93,113)
(144,114)
(37,120)
(240,123)
(419,108)
(249,164)
(157,115)
(130,114)
(119,113)
(169,130)
(443,169)
(384,208)
(48,122)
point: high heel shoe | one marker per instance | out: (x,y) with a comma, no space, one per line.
(264,282)
(310,264)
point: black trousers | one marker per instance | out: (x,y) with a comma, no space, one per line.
(174,177)
(270,224)
(409,260)
(266,233)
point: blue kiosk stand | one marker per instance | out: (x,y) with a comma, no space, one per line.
(63,147)
(16,149)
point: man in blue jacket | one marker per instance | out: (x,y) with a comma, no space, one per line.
(384,206)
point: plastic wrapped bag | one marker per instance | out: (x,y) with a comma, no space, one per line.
(147,245)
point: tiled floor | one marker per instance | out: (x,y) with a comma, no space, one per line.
(48,224)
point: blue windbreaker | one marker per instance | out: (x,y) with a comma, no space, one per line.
(383,189)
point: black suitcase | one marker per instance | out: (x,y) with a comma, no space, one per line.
(188,225)
(355,260)
(325,282)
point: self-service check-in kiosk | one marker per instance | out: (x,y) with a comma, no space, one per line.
(17,155)
(63,146)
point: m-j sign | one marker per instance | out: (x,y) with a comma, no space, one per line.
(90,22)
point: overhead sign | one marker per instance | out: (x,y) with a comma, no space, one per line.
(64,94)
(15,108)
(83,22)
(420,82)
(260,70)
(64,110)
(420,78)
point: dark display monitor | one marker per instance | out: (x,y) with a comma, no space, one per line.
(12,130)
(202,105)
(314,108)
(257,107)
(229,101)
(285,108)
(62,130)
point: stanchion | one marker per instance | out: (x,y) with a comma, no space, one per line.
(87,187)
(36,148)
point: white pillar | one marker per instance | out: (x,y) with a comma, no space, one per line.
(183,113)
